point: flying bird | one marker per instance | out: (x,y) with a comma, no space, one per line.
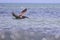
(21,15)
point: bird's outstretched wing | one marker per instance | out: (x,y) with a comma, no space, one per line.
(15,15)
(23,12)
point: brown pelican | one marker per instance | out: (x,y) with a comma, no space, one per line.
(21,15)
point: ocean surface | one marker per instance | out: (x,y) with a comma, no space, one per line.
(43,22)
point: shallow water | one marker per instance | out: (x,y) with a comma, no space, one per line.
(42,24)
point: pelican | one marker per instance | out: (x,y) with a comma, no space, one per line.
(21,15)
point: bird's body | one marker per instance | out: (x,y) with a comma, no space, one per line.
(18,17)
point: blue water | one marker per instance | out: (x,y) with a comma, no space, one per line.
(43,22)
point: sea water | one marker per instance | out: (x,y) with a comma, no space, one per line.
(43,22)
